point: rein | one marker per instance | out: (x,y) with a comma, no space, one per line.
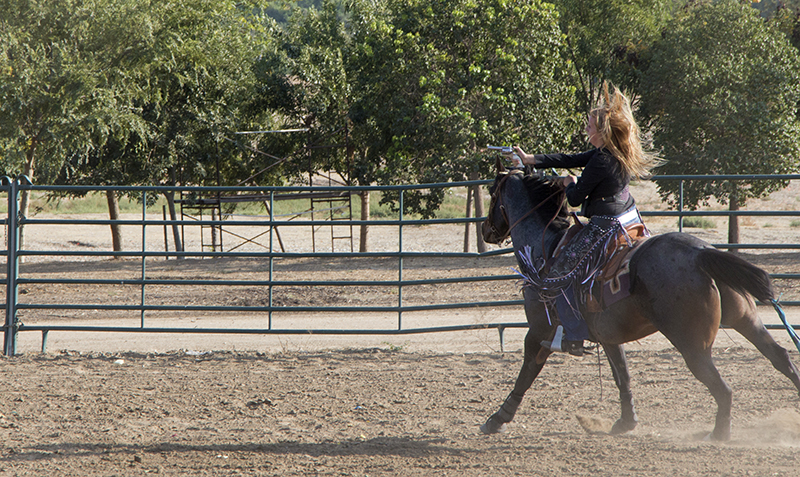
(496,196)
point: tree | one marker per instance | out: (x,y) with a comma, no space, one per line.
(722,92)
(787,19)
(282,10)
(197,68)
(304,80)
(57,100)
(415,90)
(127,92)
(772,8)
(609,40)
(439,80)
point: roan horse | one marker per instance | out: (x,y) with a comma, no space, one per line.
(680,286)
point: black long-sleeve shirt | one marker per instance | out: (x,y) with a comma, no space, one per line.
(601,189)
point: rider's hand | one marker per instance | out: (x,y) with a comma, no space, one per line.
(524,158)
(514,158)
(567,180)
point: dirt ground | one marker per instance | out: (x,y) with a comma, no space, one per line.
(112,404)
(382,411)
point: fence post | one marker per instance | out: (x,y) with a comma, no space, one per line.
(400,264)
(468,214)
(144,254)
(680,207)
(10,328)
(272,233)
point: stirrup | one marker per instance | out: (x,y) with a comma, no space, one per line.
(559,344)
(556,343)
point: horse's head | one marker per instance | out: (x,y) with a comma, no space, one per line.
(496,227)
(516,196)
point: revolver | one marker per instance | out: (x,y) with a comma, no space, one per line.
(505,150)
(502,149)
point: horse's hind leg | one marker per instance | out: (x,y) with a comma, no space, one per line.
(777,354)
(702,367)
(530,369)
(740,314)
(619,368)
(687,310)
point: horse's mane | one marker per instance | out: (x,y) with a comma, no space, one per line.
(543,190)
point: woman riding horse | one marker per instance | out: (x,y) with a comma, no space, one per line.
(679,286)
(602,192)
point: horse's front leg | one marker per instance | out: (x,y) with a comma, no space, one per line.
(530,369)
(619,368)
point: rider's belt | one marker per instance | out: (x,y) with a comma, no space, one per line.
(621,196)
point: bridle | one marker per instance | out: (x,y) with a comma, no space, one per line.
(497,197)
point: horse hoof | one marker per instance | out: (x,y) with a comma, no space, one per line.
(493,427)
(716,437)
(621,427)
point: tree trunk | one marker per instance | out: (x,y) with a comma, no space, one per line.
(467,215)
(733,222)
(363,247)
(214,231)
(24,198)
(478,191)
(173,216)
(113,214)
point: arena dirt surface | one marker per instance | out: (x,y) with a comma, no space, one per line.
(382,411)
(105,404)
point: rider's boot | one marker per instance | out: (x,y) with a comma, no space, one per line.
(575,348)
(572,325)
(558,343)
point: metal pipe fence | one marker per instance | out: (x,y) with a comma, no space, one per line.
(141,271)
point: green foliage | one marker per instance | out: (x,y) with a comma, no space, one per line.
(393,347)
(416,90)
(722,93)
(282,10)
(193,63)
(698,222)
(610,40)
(125,91)
(58,98)
(304,80)
(785,18)
(773,8)
(391,91)
(439,80)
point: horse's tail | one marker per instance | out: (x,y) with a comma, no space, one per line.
(739,274)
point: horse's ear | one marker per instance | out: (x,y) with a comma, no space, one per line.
(499,165)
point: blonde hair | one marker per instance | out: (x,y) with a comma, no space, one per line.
(621,134)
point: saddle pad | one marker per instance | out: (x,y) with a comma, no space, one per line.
(613,283)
